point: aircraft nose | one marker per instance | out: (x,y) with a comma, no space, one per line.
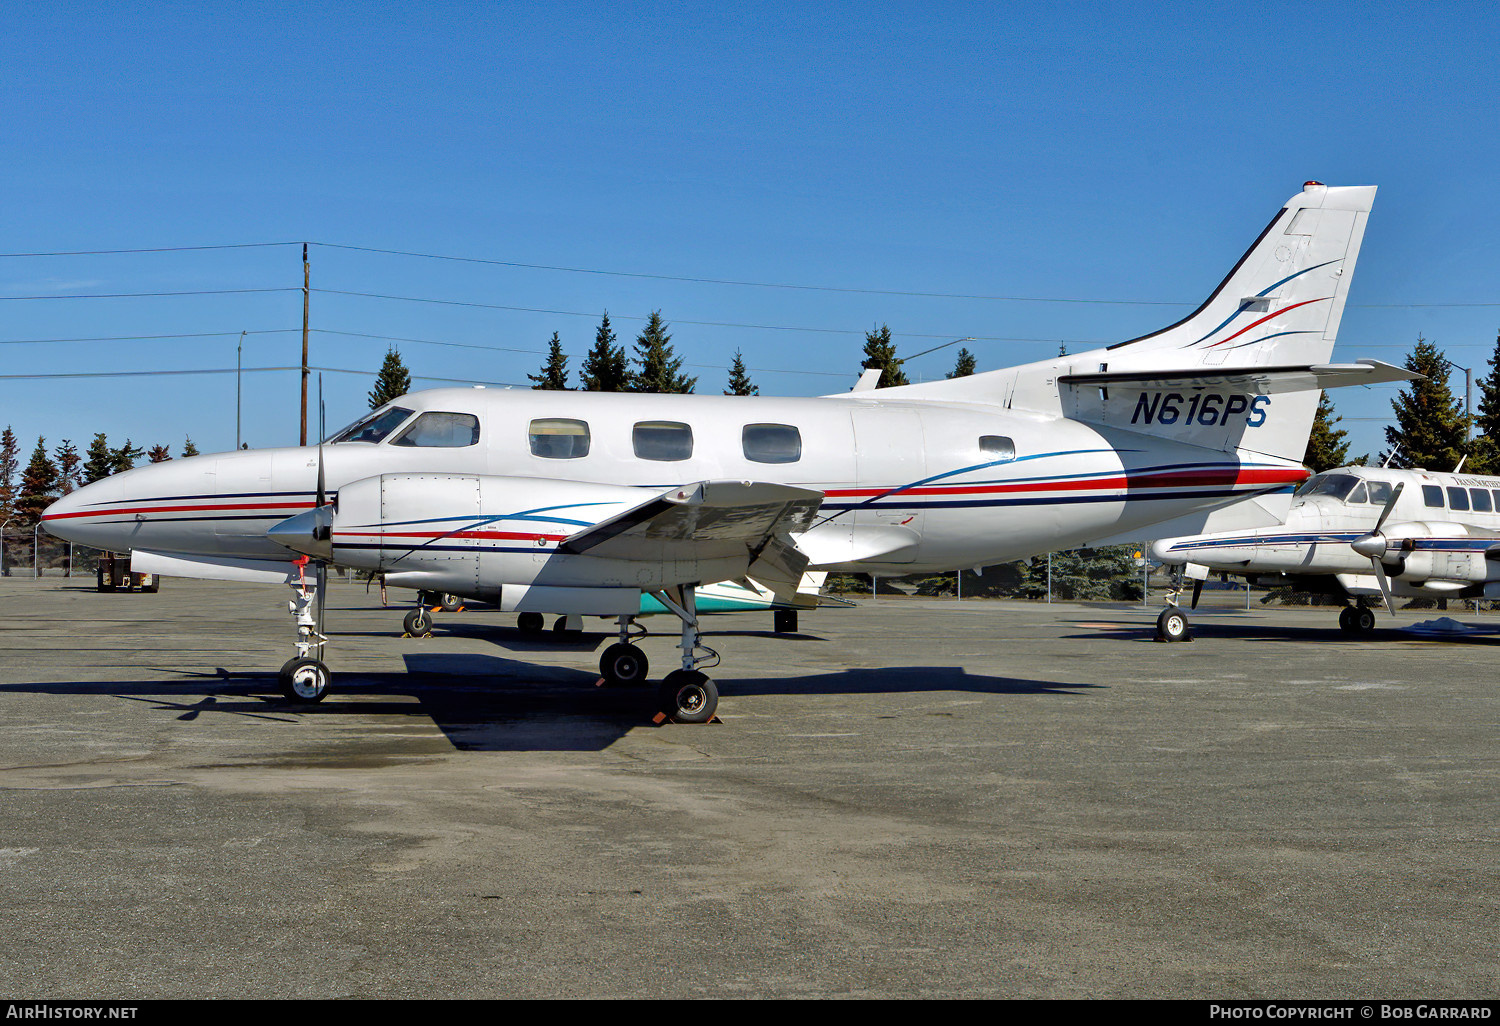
(60,518)
(1161,550)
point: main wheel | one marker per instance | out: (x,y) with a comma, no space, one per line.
(1172,625)
(304,681)
(418,623)
(531,623)
(623,664)
(1364,619)
(1346,620)
(687,696)
(450,603)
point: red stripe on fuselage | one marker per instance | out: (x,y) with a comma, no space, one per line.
(132,510)
(1153,479)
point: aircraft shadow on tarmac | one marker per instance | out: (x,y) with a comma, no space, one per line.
(1247,630)
(490,703)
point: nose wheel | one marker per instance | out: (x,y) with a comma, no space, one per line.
(304,681)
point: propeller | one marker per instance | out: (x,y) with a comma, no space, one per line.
(1375,545)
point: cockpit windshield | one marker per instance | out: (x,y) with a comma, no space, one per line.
(1335,485)
(374,427)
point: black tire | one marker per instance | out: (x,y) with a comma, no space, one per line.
(1346,620)
(531,623)
(624,665)
(418,623)
(450,603)
(1364,619)
(304,681)
(687,696)
(1173,625)
(784,621)
(560,626)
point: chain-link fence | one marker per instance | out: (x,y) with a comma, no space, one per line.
(38,554)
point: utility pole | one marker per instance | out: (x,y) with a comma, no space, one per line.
(306,281)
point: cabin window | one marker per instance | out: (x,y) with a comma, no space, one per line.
(771,443)
(555,438)
(1480,498)
(1358,495)
(1458,499)
(374,427)
(1380,492)
(441,431)
(997,447)
(1432,495)
(662,440)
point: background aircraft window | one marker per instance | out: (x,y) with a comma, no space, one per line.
(1380,492)
(1458,499)
(1358,495)
(771,443)
(374,427)
(662,440)
(559,439)
(1432,495)
(998,446)
(441,431)
(1481,499)
(1495,494)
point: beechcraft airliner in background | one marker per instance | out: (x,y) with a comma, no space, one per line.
(1359,533)
(579,502)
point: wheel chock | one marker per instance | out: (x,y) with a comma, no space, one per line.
(661,719)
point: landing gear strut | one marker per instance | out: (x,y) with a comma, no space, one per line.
(688,695)
(304,678)
(1172,624)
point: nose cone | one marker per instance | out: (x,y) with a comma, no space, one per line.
(309,533)
(1161,551)
(91,515)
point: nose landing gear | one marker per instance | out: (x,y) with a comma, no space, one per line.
(304,678)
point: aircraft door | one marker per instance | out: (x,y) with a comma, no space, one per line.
(890,456)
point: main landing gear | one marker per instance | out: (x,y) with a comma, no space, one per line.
(687,695)
(623,663)
(1356,620)
(304,678)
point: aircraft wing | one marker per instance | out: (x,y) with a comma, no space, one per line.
(709,520)
(1255,380)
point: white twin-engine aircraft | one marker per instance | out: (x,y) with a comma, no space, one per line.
(1359,532)
(579,502)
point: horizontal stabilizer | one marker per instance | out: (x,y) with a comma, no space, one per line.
(1247,380)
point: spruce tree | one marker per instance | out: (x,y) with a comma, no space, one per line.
(880,352)
(1429,428)
(124,457)
(554,375)
(1327,446)
(67,460)
(964,366)
(101,460)
(1485,454)
(158,454)
(188,448)
(10,462)
(739,381)
(605,368)
(38,485)
(393,381)
(659,367)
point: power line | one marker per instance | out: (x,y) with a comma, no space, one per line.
(156,295)
(153,249)
(144,338)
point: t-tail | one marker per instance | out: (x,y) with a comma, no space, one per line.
(1243,371)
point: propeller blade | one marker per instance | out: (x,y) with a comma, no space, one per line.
(1385,585)
(1197,590)
(1390,504)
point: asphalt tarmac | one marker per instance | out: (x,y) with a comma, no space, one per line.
(913,798)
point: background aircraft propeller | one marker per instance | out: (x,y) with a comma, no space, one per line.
(1375,545)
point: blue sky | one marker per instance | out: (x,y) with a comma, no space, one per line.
(1103,163)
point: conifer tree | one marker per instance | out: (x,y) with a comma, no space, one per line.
(67,461)
(1485,453)
(101,461)
(554,375)
(393,381)
(1327,446)
(605,368)
(158,454)
(659,367)
(739,380)
(1429,428)
(38,485)
(964,366)
(188,448)
(880,352)
(10,462)
(124,457)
